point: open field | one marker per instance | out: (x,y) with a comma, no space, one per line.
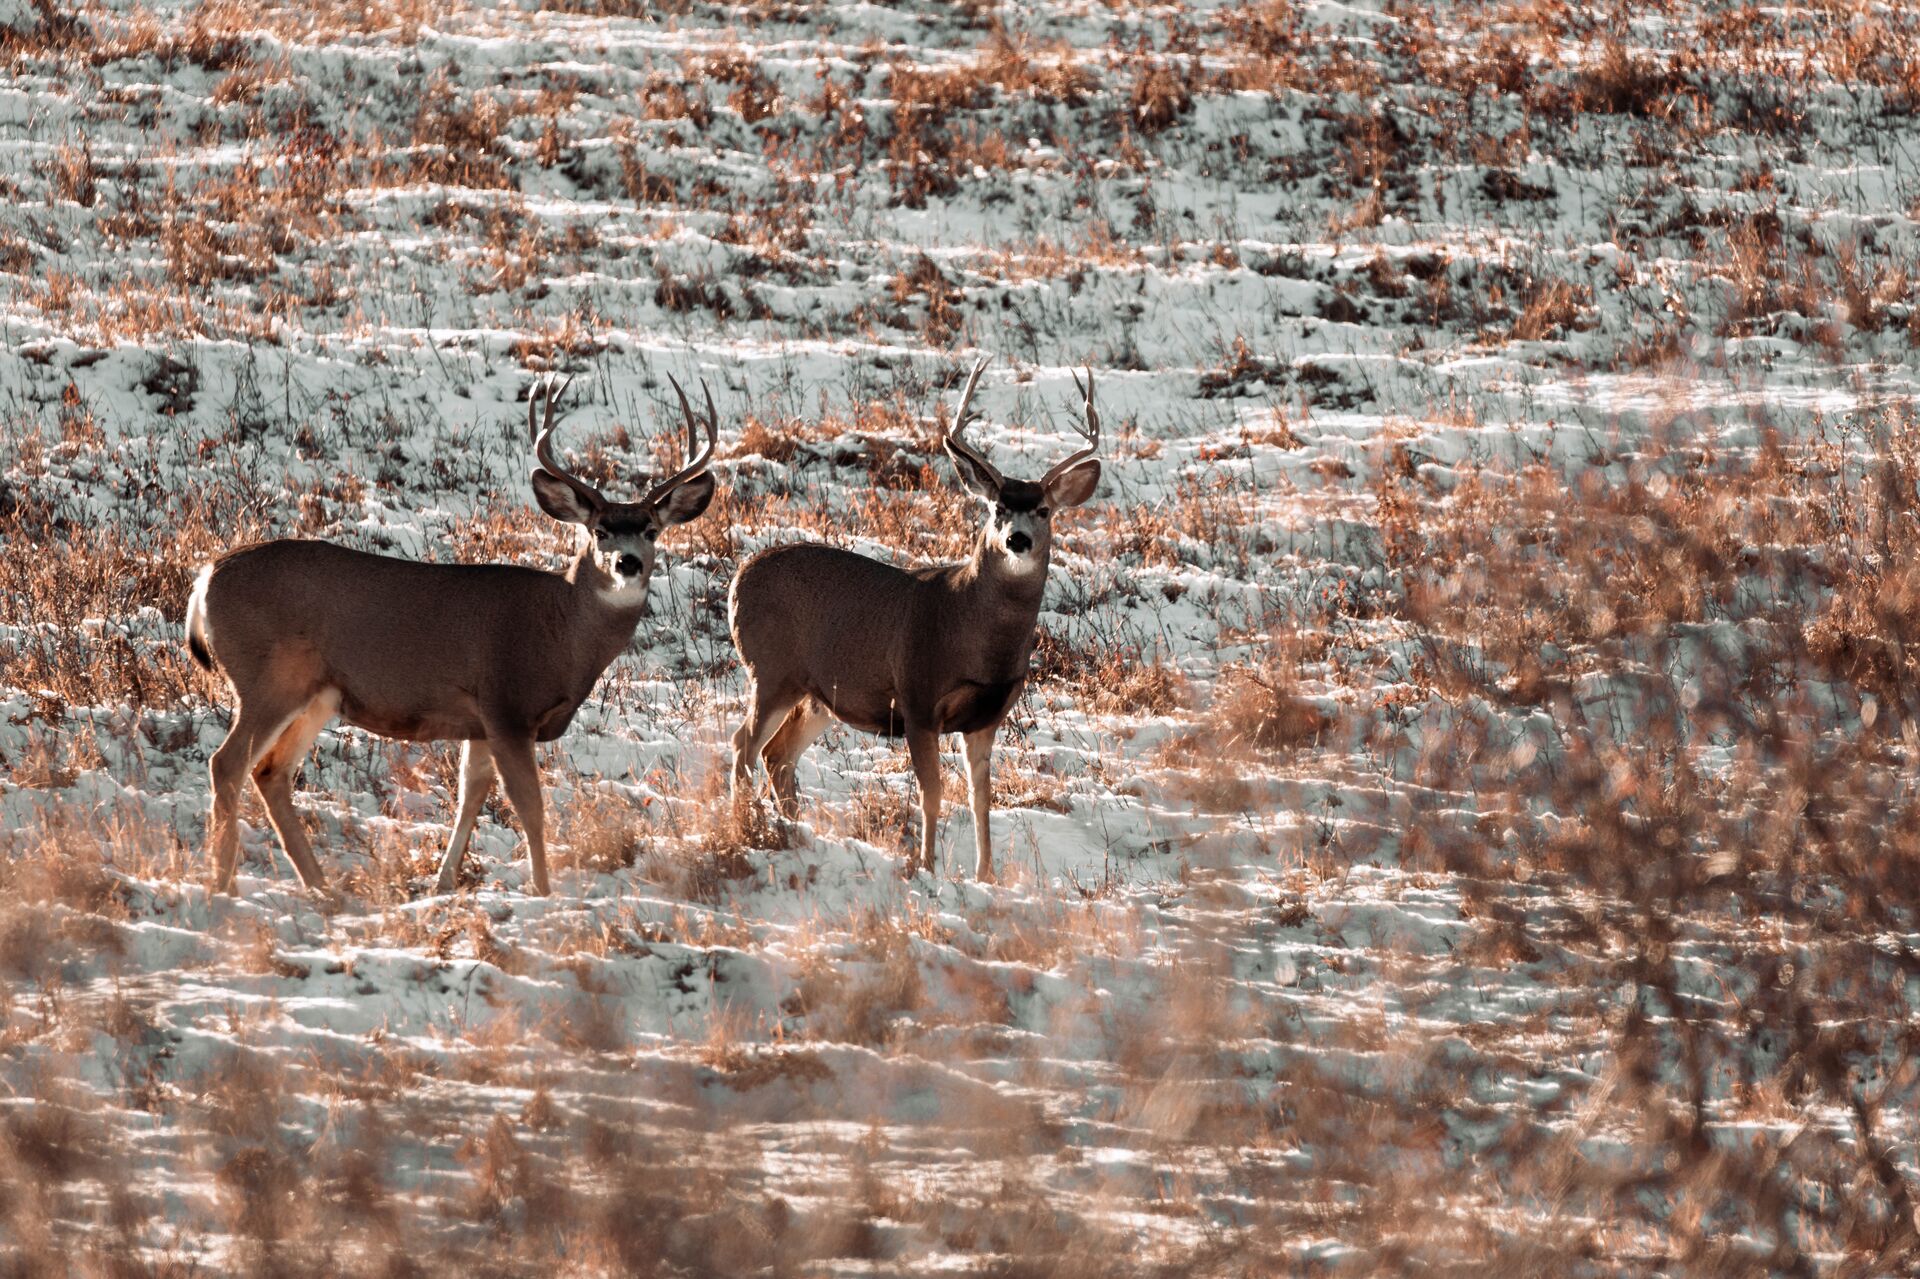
(1463,817)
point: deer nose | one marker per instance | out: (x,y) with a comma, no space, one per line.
(628,565)
(1019,543)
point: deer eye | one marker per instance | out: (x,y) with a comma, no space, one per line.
(652,534)
(1045,512)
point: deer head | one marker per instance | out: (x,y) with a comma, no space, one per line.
(1019,528)
(624,533)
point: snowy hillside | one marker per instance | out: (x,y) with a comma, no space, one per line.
(1463,812)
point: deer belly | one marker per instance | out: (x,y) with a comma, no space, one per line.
(555,722)
(410,723)
(412,728)
(972,707)
(869,715)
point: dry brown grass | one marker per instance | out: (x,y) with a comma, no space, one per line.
(1553,308)
(880,814)
(717,858)
(604,832)
(862,997)
(81,571)
(1111,679)
(1263,709)
(1595,853)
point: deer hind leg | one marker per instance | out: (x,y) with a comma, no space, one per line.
(767,709)
(476,779)
(520,775)
(256,726)
(923,749)
(802,728)
(979,752)
(273,776)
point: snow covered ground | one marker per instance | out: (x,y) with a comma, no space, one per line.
(1461,815)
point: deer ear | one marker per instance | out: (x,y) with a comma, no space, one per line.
(1076,486)
(973,477)
(687,501)
(560,500)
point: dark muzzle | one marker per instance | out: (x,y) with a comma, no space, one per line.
(629,565)
(1019,543)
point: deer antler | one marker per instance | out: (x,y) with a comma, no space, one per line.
(962,417)
(702,454)
(1090,432)
(541,429)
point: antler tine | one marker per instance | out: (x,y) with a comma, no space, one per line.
(540,426)
(543,435)
(1092,429)
(686,414)
(705,453)
(1090,432)
(713,434)
(963,415)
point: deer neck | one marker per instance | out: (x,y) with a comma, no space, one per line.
(1003,601)
(605,622)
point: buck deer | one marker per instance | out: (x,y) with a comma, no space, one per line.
(826,633)
(496,655)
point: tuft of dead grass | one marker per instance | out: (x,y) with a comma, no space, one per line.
(1263,709)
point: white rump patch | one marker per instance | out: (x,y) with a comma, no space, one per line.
(197,605)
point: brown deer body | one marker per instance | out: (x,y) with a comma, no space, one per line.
(830,634)
(497,656)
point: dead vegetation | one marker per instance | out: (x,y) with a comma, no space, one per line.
(1620,586)
(1609,717)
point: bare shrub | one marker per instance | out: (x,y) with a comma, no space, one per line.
(1681,859)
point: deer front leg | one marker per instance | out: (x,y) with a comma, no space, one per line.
(520,775)
(979,752)
(476,779)
(923,748)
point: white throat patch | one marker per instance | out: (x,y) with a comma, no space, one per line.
(1023,564)
(628,593)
